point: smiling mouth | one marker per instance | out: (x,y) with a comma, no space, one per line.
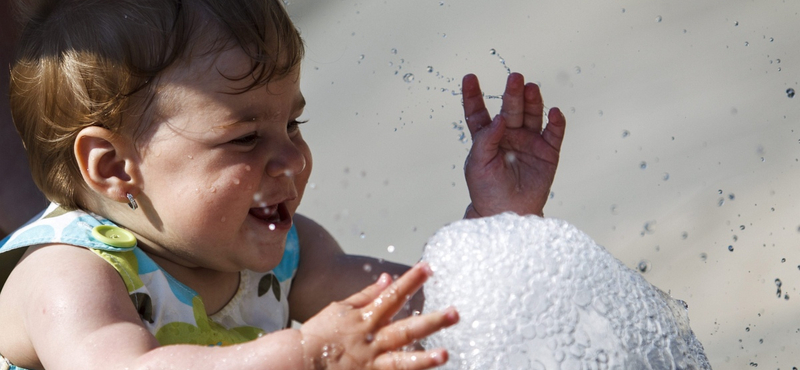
(277,214)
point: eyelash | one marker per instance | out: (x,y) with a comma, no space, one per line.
(295,124)
(251,138)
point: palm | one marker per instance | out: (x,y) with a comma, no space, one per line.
(513,161)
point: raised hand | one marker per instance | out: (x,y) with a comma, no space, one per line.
(513,161)
(357,333)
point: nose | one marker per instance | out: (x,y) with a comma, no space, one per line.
(286,160)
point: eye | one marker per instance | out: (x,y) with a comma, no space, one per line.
(247,140)
(294,125)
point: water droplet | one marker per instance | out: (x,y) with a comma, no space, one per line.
(747,329)
(684,235)
(741,227)
(625,133)
(367,267)
(272,226)
(783,260)
(666,176)
(492,52)
(730,248)
(643,266)
(790,92)
(735,23)
(731,196)
(408,77)
(643,165)
(649,227)
(511,157)
(771,39)
(658,19)
(623,10)
(704,257)
(600,113)
(394,51)
(430,69)
(577,70)
(390,249)
(719,191)
(746,43)
(362,236)
(441,3)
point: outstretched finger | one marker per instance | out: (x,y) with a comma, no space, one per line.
(411,360)
(486,143)
(514,101)
(370,293)
(414,328)
(534,107)
(474,108)
(554,132)
(392,299)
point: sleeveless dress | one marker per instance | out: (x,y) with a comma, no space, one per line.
(170,310)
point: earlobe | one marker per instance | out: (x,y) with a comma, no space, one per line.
(106,162)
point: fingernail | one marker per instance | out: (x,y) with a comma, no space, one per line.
(451,314)
(384,279)
(438,357)
(426,268)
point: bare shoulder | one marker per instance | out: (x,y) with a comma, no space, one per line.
(57,298)
(312,235)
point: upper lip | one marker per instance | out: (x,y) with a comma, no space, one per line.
(273,200)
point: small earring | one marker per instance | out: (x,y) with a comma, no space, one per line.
(132,202)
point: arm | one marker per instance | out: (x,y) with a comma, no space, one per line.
(78,315)
(327,274)
(513,159)
(68,309)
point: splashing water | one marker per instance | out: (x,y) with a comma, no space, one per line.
(538,293)
(502,61)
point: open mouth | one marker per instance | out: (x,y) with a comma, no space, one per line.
(277,214)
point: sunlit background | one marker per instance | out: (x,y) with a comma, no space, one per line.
(681,155)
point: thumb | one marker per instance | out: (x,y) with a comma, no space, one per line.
(486,141)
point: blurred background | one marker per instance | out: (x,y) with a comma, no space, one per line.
(681,155)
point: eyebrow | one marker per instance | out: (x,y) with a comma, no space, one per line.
(299,104)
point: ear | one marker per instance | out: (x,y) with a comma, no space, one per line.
(107,163)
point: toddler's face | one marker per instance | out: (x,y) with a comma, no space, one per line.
(223,171)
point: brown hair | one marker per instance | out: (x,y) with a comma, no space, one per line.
(87,63)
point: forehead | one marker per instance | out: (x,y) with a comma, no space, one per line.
(223,77)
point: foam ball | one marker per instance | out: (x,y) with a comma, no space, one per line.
(538,293)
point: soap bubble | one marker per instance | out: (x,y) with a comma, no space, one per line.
(540,294)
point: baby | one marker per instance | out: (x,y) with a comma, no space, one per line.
(167,136)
